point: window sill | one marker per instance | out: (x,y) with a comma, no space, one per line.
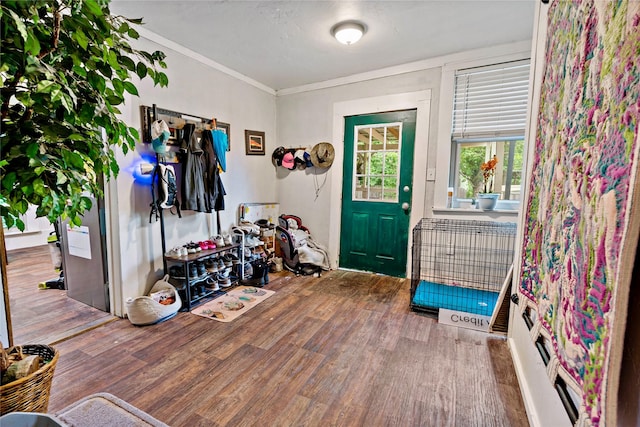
(473,211)
(15,232)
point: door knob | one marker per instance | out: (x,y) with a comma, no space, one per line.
(405,206)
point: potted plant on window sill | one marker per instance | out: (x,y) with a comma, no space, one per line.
(487,199)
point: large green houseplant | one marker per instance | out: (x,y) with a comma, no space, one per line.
(66,67)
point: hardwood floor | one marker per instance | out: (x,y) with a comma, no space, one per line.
(43,316)
(343,349)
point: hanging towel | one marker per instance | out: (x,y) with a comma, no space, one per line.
(220,145)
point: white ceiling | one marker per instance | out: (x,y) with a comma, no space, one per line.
(286,44)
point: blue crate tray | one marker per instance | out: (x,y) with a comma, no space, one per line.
(431,295)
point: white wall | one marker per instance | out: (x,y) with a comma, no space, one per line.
(200,90)
(35,233)
(305,118)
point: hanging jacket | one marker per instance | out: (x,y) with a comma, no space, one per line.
(193,194)
(214,190)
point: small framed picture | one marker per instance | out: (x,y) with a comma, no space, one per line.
(254,142)
(226,128)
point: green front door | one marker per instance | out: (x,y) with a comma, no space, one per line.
(376,192)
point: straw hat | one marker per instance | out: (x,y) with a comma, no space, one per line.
(322,155)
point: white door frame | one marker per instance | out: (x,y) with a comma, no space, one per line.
(421,101)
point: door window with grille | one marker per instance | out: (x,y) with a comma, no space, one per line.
(377,162)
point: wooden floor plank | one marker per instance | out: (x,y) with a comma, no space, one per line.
(43,316)
(325,351)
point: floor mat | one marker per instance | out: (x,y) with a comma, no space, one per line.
(104,410)
(436,295)
(232,305)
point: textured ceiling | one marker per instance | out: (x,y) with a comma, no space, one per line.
(285,44)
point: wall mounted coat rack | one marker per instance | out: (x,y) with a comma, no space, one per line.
(176,122)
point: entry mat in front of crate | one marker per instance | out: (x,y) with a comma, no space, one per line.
(431,295)
(233,304)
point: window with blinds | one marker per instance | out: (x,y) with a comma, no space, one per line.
(489,118)
(491,101)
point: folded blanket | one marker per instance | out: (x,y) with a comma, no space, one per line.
(313,253)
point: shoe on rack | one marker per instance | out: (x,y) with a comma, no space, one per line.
(224,273)
(224,282)
(202,270)
(211,265)
(249,227)
(234,259)
(218,240)
(193,271)
(177,272)
(176,252)
(248,270)
(212,284)
(193,247)
(255,242)
(228,241)
(206,244)
(228,261)
(250,241)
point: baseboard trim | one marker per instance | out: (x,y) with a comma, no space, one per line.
(525,389)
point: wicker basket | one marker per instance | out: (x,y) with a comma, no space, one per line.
(31,393)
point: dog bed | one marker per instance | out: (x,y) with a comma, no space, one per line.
(147,310)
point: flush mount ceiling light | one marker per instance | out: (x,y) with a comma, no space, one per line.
(348,32)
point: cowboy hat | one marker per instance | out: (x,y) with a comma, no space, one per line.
(322,155)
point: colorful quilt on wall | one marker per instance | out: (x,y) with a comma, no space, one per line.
(580,186)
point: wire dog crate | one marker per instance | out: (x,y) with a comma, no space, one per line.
(460,265)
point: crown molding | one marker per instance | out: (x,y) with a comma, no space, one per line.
(522,48)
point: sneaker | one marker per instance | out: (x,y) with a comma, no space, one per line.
(248,270)
(212,284)
(202,270)
(175,252)
(234,259)
(193,270)
(211,265)
(224,282)
(228,262)
(224,273)
(228,241)
(177,272)
(249,227)
(218,240)
(250,242)
(206,244)
(254,242)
